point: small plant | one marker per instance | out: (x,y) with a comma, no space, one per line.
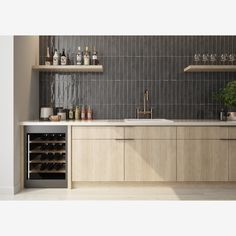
(227,95)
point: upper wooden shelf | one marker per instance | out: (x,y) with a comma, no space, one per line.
(69,68)
(210,68)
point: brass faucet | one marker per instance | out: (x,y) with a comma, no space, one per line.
(146,112)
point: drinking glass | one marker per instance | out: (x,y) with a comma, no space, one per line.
(231,59)
(213,59)
(205,58)
(223,59)
(197,58)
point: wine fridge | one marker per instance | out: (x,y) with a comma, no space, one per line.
(45,156)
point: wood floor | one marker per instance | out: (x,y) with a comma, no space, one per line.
(132,191)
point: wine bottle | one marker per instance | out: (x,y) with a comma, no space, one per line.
(94,57)
(48,60)
(79,57)
(56,58)
(63,57)
(86,57)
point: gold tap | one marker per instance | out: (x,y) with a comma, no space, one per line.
(146,112)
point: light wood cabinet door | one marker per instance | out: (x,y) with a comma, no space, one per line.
(97,160)
(97,133)
(202,160)
(150,133)
(211,133)
(150,160)
(232,160)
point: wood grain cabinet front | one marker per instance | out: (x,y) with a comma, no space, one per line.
(97,160)
(202,154)
(97,154)
(150,160)
(150,155)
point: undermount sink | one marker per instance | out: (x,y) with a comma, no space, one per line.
(148,120)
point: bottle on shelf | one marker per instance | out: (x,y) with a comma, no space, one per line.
(94,57)
(83,113)
(48,59)
(63,58)
(79,57)
(86,56)
(89,113)
(71,113)
(77,113)
(56,58)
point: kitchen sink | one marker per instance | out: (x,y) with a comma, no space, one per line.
(148,120)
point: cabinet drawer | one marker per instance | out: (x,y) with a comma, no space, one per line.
(97,160)
(202,160)
(150,132)
(232,132)
(202,133)
(152,160)
(97,133)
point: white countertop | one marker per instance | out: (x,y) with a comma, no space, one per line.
(129,123)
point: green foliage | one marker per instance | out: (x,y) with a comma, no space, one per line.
(227,95)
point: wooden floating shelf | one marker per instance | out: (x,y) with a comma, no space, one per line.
(210,68)
(69,68)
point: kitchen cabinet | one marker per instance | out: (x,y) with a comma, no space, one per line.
(232,153)
(150,154)
(97,154)
(150,160)
(202,154)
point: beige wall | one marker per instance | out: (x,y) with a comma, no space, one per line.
(26,97)
(6,115)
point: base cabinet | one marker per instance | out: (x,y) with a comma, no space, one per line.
(150,160)
(232,160)
(202,160)
(97,160)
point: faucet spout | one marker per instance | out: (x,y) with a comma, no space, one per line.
(145,100)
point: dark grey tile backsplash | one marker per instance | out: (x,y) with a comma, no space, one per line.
(133,64)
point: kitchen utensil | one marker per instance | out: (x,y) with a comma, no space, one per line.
(55,118)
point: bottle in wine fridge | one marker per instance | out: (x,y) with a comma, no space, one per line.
(86,56)
(45,157)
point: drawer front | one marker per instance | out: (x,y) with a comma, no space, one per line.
(152,160)
(150,133)
(202,160)
(232,132)
(97,133)
(97,160)
(202,133)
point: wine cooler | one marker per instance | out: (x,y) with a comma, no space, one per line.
(46,156)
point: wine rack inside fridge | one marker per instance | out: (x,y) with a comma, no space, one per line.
(46,156)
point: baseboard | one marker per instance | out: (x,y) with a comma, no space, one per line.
(17,188)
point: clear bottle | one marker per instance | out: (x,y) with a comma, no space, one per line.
(77,113)
(94,57)
(71,114)
(56,58)
(83,113)
(86,56)
(89,113)
(48,59)
(79,57)
(63,57)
